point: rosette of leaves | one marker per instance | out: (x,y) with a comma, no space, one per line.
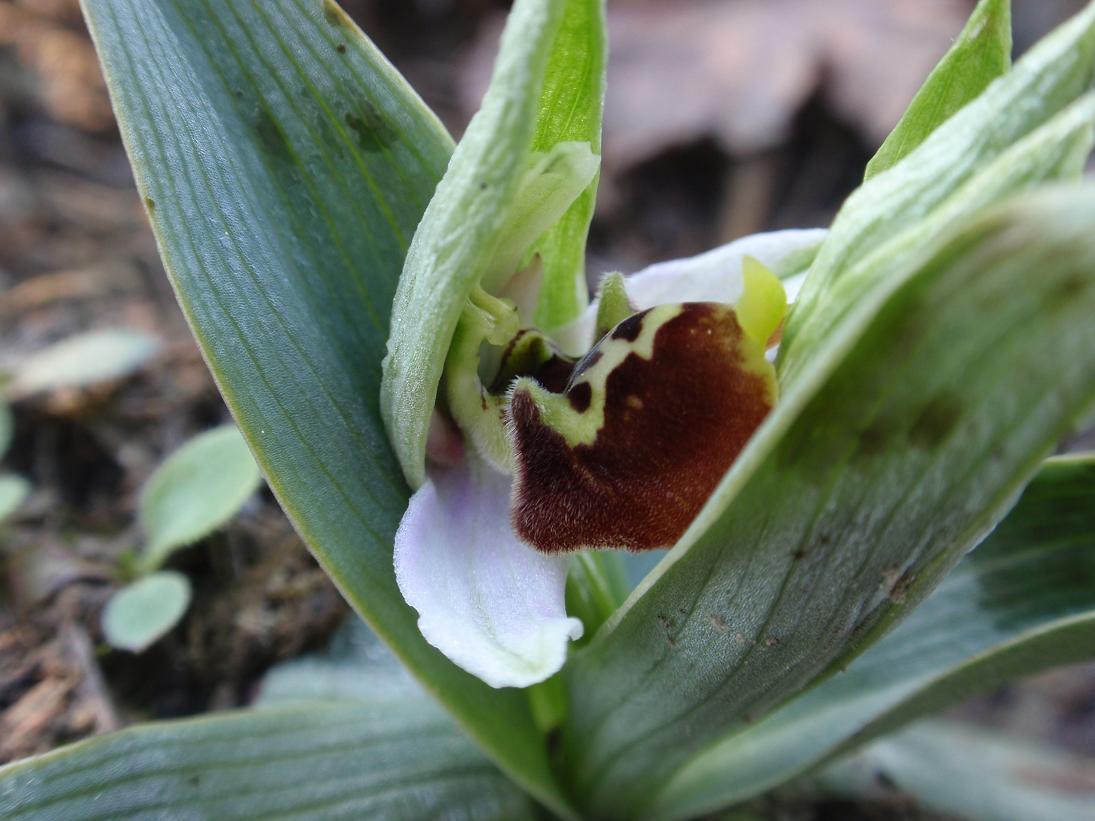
(825,592)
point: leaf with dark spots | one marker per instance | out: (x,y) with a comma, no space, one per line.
(935,421)
(333,14)
(631,450)
(271,136)
(373,133)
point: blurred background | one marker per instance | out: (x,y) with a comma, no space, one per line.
(722,118)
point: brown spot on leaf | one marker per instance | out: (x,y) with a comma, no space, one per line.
(873,438)
(1072,287)
(935,422)
(373,132)
(334,15)
(666,624)
(673,425)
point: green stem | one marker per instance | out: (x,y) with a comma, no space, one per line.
(596,586)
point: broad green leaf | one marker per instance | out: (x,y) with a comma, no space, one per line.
(14,490)
(197,489)
(966,772)
(1049,77)
(907,441)
(1056,150)
(7,427)
(570,109)
(320,759)
(142,612)
(981,53)
(342,734)
(531,113)
(285,165)
(1023,601)
(84,359)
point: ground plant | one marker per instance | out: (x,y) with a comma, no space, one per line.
(707,540)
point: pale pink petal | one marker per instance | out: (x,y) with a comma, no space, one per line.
(490,603)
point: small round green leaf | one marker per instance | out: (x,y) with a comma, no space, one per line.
(200,487)
(140,613)
(13,492)
(84,359)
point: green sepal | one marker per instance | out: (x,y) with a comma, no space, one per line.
(613,306)
(981,53)
(482,213)
(1052,75)
(1057,150)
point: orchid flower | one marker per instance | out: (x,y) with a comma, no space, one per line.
(531,425)
(618,449)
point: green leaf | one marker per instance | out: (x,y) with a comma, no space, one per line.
(1056,150)
(342,734)
(571,104)
(1049,77)
(529,107)
(142,612)
(84,359)
(285,165)
(14,490)
(1023,601)
(981,53)
(906,443)
(324,759)
(197,489)
(966,772)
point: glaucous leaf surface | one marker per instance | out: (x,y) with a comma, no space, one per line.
(197,489)
(1023,601)
(1050,76)
(84,359)
(966,772)
(284,165)
(1057,150)
(319,759)
(346,733)
(981,53)
(913,434)
(141,612)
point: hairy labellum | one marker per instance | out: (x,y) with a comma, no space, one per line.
(650,421)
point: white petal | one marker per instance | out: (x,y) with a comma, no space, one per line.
(713,276)
(490,603)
